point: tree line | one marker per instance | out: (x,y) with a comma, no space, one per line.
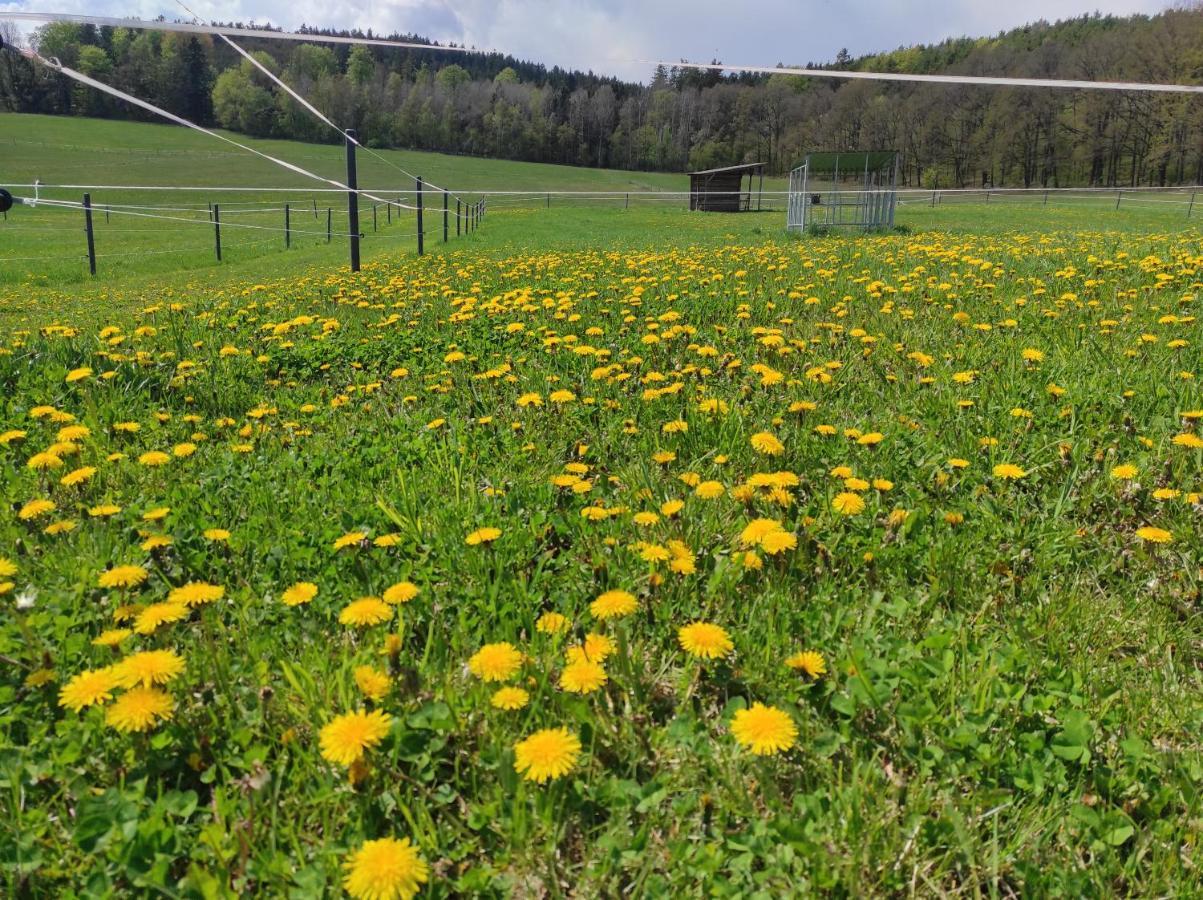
(494,105)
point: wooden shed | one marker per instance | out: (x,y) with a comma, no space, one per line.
(722,190)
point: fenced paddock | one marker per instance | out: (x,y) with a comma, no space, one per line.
(838,189)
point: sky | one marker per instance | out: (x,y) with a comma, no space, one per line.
(618,37)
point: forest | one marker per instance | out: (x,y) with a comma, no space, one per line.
(489,104)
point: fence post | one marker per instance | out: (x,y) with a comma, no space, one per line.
(217,229)
(549,201)
(106,215)
(627,202)
(1119,195)
(446,202)
(1046,198)
(933,199)
(328,214)
(1192,204)
(373,217)
(458,215)
(388,213)
(353,199)
(418,192)
(315,209)
(287,227)
(88,229)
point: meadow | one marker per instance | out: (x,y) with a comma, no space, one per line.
(607,552)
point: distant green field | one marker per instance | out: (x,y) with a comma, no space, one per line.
(46,246)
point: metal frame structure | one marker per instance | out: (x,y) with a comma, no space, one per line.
(844,189)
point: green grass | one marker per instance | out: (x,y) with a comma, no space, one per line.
(1011,703)
(46,247)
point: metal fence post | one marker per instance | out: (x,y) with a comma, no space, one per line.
(421,249)
(446,202)
(329,211)
(1192,204)
(88,229)
(217,229)
(287,227)
(353,200)
(458,216)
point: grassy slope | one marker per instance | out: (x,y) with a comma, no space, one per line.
(45,246)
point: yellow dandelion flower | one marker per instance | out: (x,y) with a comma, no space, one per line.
(87,689)
(764,730)
(122,577)
(364,612)
(809,662)
(1124,472)
(46,460)
(39,677)
(847,503)
(138,709)
(1153,535)
(148,668)
(705,640)
(301,592)
(551,623)
(582,677)
(349,539)
(385,869)
(547,754)
(371,682)
(111,638)
(482,536)
(778,541)
(345,739)
(157,614)
(7,568)
(1009,472)
(78,374)
(196,593)
(495,662)
(509,699)
(613,604)
(767,443)
(401,592)
(77,476)
(154,458)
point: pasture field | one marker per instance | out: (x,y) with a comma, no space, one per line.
(610,552)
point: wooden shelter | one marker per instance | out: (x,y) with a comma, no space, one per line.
(721,190)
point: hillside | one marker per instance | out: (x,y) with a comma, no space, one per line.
(495,106)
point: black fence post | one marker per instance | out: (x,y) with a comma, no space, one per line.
(287,228)
(353,200)
(106,215)
(457,216)
(549,201)
(374,217)
(1119,195)
(1192,204)
(88,229)
(329,213)
(217,229)
(446,201)
(418,197)
(388,213)
(315,209)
